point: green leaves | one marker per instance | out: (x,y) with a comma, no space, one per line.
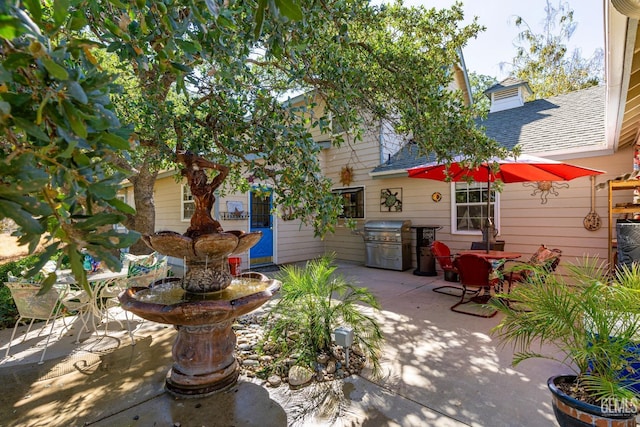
(99,220)
(24,219)
(289,8)
(588,319)
(10,27)
(115,141)
(60,10)
(31,128)
(74,119)
(54,69)
(60,137)
(259,21)
(543,60)
(75,91)
(225,69)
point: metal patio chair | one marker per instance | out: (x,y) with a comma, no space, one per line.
(32,306)
(107,298)
(442,253)
(475,276)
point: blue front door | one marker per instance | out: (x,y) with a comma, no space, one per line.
(261,220)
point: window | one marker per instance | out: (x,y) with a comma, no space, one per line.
(261,209)
(188,205)
(469,207)
(352,202)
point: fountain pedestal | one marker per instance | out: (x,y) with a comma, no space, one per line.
(200,368)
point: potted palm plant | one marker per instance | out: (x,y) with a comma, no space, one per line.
(589,321)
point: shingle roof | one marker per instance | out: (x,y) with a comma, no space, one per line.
(572,120)
(569,121)
(407,157)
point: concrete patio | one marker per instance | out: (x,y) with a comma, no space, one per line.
(440,368)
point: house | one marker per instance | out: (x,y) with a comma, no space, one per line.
(594,127)
(286,241)
(568,127)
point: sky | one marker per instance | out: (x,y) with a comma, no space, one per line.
(495,45)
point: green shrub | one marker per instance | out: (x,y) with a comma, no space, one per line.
(313,302)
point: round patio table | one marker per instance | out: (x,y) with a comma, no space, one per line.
(491,254)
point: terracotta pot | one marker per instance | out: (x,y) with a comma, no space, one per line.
(571,412)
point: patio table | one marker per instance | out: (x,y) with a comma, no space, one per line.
(66,276)
(491,254)
(90,306)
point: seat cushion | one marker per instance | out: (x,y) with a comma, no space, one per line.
(542,255)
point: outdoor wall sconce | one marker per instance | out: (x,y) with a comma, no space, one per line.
(545,188)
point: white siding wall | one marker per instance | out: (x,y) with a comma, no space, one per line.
(362,157)
(167,195)
(293,242)
(525,223)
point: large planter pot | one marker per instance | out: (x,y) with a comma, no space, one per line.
(571,412)
(628,241)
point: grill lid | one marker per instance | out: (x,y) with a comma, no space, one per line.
(387,225)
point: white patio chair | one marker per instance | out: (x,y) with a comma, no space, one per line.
(107,298)
(32,306)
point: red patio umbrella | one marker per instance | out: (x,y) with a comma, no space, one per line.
(523,168)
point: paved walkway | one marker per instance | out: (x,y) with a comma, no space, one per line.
(440,368)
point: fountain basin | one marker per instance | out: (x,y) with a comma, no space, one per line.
(205,256)
(203,352)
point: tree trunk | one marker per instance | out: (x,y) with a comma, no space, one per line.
(144,221)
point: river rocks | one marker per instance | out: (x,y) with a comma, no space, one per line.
(265,359)
(274,380)
(323,358)
(256,360)
(299,376)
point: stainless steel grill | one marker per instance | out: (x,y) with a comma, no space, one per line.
(388,244)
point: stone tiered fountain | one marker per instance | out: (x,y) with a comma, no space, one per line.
(204,303)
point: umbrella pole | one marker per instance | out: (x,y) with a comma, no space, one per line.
(488,222)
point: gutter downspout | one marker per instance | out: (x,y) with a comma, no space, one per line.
(618,69)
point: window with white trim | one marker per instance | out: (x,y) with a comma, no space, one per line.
(188,205)
(352,201)
(469,207)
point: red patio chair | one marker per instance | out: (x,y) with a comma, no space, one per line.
(474,272)
(442,253)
